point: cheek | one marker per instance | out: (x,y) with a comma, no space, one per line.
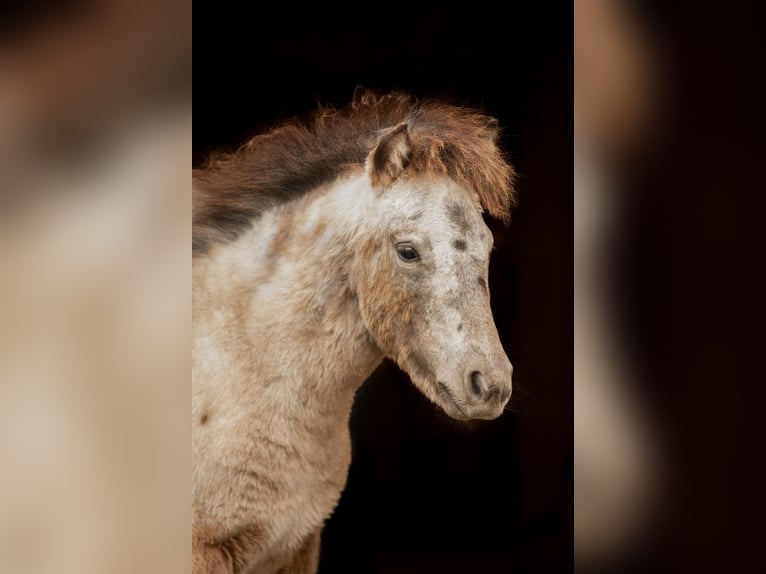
(389,303)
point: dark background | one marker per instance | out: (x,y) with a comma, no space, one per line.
(426,494)
(693,280)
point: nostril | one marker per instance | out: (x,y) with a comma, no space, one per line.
(477,383)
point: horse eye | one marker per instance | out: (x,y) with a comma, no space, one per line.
(407,253)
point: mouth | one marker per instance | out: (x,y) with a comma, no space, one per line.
(454,409)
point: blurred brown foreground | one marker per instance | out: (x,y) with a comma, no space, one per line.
(95,148)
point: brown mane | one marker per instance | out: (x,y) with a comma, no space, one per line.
(291,160)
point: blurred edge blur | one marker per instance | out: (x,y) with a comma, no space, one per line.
(616,446)
(95,148)
(669,309)
(95,143)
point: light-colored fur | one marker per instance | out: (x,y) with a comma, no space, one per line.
(293,315)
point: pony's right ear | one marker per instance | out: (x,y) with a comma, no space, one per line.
(388,160)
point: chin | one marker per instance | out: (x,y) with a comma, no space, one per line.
(448,403)
(452,413)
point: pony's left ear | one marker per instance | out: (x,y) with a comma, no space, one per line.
(390,157)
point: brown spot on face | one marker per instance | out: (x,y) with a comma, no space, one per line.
(455,302)
(459,244)
(203,419)
(415,216)
(458,216)
(460,327)
(482,283)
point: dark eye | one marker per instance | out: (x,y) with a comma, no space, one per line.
(407,252)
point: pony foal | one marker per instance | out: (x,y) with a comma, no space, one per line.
(320,249)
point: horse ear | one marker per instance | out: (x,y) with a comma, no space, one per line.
(390,157)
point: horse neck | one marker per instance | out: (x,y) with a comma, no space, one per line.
(279,305)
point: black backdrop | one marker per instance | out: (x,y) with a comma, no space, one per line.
(426,494)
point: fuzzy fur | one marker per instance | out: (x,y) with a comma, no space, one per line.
(293,313)
(295,158)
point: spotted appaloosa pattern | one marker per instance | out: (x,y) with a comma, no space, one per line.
(300,291)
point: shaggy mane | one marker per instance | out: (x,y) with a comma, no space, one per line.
(232,189)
